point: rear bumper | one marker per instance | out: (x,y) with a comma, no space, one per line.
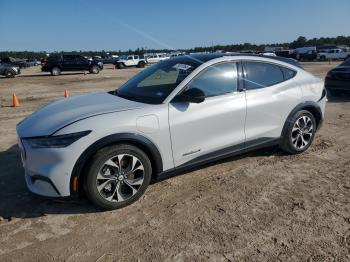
(332,84)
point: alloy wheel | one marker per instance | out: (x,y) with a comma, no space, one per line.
(302,132)
(120,178)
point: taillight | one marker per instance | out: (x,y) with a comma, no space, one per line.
(329,74)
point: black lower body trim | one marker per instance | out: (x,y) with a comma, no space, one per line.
(45,179)
(221,154)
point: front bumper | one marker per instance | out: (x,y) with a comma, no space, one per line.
(332,84)
(47,170)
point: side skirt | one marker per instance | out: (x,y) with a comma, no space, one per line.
(220,154)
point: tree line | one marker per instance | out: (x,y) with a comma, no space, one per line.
(299,42)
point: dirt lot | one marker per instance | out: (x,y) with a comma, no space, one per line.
(263,206)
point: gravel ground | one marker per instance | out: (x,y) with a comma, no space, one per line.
(262,206)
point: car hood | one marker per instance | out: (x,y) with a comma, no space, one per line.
(48,119)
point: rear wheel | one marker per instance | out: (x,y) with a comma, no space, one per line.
(120,66)
(55,71)
(141,64)
(300,133)
(118,176)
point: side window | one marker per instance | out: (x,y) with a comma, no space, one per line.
(216,80)
(136,57)
(69,58)
(129,57)
(260,75)
(287,73)
(80,59)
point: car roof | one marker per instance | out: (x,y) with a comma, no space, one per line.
(202,58)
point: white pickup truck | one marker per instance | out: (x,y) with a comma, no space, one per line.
(155,58)
(129,61)
(333,54)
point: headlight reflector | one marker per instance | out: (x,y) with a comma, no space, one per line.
(55,141)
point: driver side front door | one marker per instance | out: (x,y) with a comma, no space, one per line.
(213,127)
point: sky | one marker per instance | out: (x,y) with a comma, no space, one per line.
(67,25)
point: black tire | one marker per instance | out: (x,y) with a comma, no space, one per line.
(10,74)
(323,58)
(120,65)
(287,139)
(141,64)
(98,162)
(55,71)
(94,69)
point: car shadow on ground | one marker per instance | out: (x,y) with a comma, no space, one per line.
(17,202)
(268,151)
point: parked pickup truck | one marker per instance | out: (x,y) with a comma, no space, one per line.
(333,54)
(155,58)
(129,61)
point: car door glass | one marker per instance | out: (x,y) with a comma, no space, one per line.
(288,73)
(216,80)
(260,75)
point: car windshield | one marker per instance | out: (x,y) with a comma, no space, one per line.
(155,83)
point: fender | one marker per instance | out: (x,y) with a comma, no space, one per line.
(308,105)
(135,139)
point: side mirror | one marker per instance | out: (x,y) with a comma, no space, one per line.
(192,95)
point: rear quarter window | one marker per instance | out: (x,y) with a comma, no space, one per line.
(260,74)
(288,73)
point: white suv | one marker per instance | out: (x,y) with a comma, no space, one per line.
(176,114)
(130,61)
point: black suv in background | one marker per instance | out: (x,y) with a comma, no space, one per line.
(55,64)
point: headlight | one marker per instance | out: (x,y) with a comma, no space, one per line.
(55,141)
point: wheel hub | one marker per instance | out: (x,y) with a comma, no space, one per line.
(302,132)
(120,177)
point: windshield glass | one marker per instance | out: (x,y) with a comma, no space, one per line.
(155,83)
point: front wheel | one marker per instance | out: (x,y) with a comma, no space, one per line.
(9,74)
(300,132)
(118,176)
(94,69)
(55,71)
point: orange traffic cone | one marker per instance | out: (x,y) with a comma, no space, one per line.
(15,102)
(66,93)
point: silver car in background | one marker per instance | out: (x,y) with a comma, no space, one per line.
(176,114)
